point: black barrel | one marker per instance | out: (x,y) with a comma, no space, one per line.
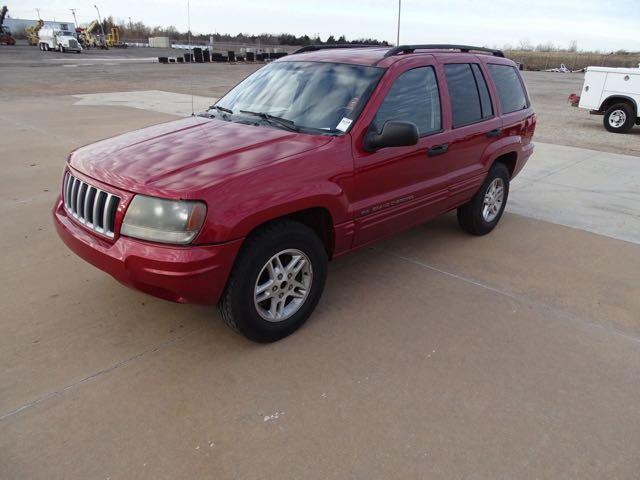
(179,59)
(251,57)
(163,59)
(188,57)
(206,55)
(231,55)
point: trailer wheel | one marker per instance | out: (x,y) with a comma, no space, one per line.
(619,118)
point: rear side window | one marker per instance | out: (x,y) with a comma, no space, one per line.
(510,90)
(483,91)
(470,100)
(413,97)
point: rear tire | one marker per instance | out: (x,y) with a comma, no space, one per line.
(619,118)
(264,299)
(485,209)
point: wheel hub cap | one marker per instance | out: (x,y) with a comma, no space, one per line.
(617,118)
(283,285)
(493,199)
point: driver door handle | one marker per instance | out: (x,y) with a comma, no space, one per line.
(438,150)
(496,132)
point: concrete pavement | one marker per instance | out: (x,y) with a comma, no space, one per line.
(434,354)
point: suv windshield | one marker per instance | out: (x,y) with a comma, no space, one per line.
(316,97)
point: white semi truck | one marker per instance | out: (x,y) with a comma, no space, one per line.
(614,93)
(55,39)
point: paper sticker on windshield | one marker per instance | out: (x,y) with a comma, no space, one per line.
(344,124)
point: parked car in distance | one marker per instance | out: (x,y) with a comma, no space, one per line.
(614,93)
(55,39)
(310,157)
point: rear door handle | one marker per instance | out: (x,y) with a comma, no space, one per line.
(496,132)
(438,150)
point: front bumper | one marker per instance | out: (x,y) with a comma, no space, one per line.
(189,274)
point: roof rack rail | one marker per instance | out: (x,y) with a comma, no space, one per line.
(313,48)
(462,48)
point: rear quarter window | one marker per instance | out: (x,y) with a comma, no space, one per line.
(509,86)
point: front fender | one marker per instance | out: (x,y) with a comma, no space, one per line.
(322,178)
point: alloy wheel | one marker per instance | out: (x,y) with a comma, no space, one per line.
(493,199)
(283,285)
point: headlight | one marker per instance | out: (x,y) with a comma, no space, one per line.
(166,221)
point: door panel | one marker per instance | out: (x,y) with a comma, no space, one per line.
(402,186)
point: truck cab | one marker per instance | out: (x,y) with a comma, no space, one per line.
(57,39)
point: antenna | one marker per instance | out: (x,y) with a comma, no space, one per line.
(190,54)
(399,13)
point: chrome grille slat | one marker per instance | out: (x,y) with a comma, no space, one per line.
(79,204)
(65,184)
(95,209)
(105,213)
(85,210)
(78,194)
(74,191)
(69,184)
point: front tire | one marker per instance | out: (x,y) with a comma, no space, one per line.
(485,209)
(276,282)
(619,118)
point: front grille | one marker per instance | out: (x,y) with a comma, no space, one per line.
(92,207)
(73,44)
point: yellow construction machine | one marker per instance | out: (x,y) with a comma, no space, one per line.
(32,33)
(89,36)
(113,39)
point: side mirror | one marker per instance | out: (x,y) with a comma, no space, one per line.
(394,134)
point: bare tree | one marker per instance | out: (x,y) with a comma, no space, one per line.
(525,46)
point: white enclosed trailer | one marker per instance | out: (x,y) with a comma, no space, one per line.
(614,93)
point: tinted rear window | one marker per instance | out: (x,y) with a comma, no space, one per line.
(510,90)
(485,98)
(466,91)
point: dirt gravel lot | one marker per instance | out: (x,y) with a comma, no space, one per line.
(432,355)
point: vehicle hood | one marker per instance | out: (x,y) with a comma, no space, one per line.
(179,159)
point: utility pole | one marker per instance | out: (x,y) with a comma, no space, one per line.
(38,10)
(130,24)
(399,11)
(104,38)
(75,20)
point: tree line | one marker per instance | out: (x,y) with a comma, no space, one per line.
(140,31)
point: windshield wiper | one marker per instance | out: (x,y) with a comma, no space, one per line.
(221,109)
(283,122)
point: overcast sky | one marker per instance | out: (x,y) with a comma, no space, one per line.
(594,24)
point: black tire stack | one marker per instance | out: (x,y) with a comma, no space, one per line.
(197,55)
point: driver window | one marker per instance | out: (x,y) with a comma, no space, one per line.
(413,97)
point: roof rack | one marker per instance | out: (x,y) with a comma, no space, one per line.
(462,48)
(313,48)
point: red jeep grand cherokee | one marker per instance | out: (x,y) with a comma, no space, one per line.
(310,157)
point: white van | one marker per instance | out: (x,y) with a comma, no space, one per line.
(56,39)
(614,93)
